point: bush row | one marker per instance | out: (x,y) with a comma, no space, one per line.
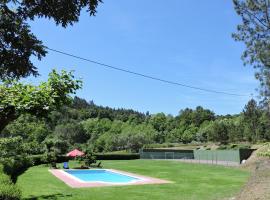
(39,159)
(130,156)
(265,150)
(8,191)
(234,146)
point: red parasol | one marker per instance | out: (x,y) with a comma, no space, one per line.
(75,153)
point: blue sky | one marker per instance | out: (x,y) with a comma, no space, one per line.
(184,41)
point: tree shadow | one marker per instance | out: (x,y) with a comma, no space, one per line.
(49,197)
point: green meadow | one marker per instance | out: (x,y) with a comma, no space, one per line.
(190,182)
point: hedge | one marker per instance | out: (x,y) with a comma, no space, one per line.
(168,150)
(8,191)
(130,156)
(39,159)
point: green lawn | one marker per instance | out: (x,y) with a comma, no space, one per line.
(191,181)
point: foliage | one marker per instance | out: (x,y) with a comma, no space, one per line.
(189,134)
(72,132)
(251,117)
(53,148)
(162,145)
(117,156)
(254,33)
(17,98)
(234,146)
(88,159)
(8,191)
(32,131)
(13,157)
(265,152)
(71,127)
(18,44)
(218,131)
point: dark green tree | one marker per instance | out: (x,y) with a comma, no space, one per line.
(201,115)
(18,43)
(251,118)
(159,122)
(254,33)
(189,134)
(71,132)
(265,126)
(54,147)
(13,157)
(218,131)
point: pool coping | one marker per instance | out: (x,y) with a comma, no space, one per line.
(74,182)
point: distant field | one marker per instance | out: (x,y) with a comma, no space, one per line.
(191,182)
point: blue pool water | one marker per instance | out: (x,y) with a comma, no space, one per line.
(101,175)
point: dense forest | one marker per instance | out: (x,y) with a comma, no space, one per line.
(85,125)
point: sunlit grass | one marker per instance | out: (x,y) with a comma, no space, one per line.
(191,181)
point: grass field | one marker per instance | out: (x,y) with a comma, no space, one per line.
(191,182)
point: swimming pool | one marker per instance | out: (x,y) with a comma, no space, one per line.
(101,175)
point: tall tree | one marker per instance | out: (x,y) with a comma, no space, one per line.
(254,31)
(251,117)
(18,43)
(218,132)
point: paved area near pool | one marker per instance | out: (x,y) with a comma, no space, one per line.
(74,183)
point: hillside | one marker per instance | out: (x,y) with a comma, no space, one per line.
(257,188)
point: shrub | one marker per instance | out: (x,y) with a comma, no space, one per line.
(8,191)
(163,145)
(240,146)
(88,159)
(130,156)
(37,159)
(222,147)
(13,157)
(41,159)
(234,146)
(4,179)
(15,166)
(265,150)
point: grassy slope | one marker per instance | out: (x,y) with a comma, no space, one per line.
(192,181)
(258,185)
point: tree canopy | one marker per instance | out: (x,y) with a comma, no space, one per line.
(254,33)
(17,98)
(18,43)
(85,125)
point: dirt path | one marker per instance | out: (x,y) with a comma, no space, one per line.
(258,186)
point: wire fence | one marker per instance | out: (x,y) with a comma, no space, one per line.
(214,157)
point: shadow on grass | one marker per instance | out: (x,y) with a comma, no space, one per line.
(50,197)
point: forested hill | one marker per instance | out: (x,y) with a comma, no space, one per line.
(85,125)
(95,111)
